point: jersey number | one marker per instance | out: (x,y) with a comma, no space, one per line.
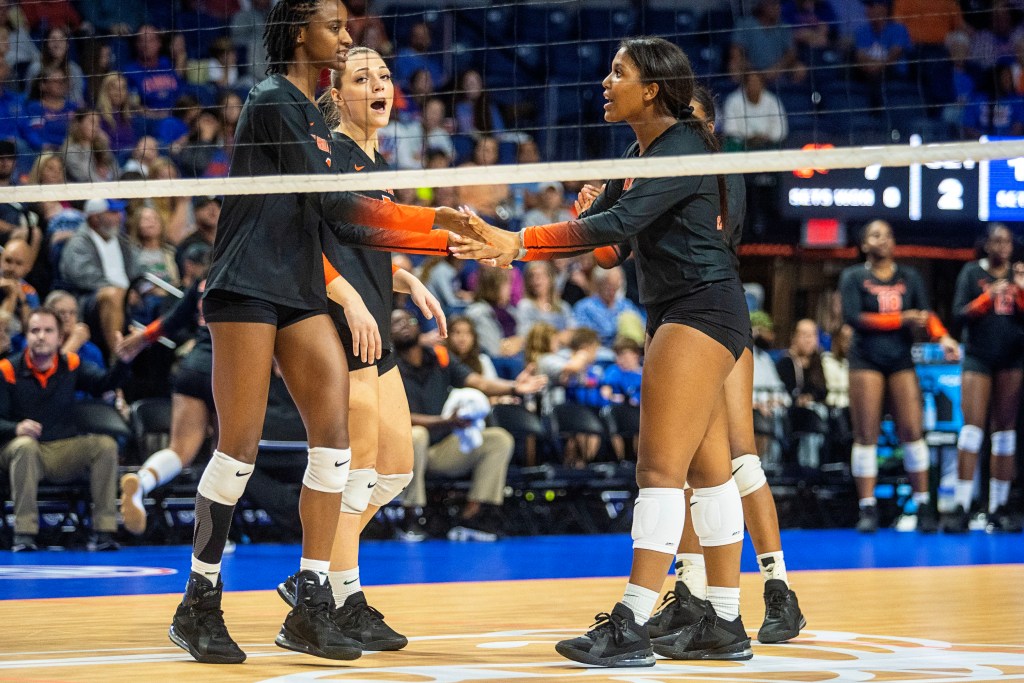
(890,301)
(1003,303)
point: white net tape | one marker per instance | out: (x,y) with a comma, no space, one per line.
(705,164)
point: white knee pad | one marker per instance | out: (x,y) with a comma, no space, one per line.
(224,479)
(658,519)
(1004,443)
(388,487)
(864,461)
(717,514)
(358,490)
(970,438)
(327,469)
(916,456)
(747,472)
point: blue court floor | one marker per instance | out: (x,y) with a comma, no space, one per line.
(163,569)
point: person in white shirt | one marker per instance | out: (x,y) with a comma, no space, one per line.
(754,117)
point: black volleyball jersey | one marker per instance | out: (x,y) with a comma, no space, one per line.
(369,272)
(269,246)
(673,225)
(874,309)
(993,325)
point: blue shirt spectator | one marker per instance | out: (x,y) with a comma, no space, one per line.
(621,382)
(881,43)
(12,105)
(45,123)
(602,310)
(762,42)
(151,76)
(416,56)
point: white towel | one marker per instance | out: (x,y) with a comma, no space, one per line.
(468,404)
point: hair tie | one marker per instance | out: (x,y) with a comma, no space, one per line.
(686,112)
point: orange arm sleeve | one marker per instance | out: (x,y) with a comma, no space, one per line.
(390,216)
(394,269)
(881,321)
(935,327)
(330,272)
(153,330)
(980,305)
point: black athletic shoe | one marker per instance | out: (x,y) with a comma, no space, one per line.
(927,518)
(286,589)
(868,522)
(198,625)
(679,609)
(782,617)
(955,522)
(710,638)
(365,625)
(1003,521)
(309,628)
(614,640)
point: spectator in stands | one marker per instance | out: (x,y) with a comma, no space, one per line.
(115,114)
(147,231)
(604,310)
(441,276)
(99,263)
(550,205)
(813,22)
(574,277)
(47,116)
(37,392)
(366,29)
(22,49)
(76,337)
(475,114)
(144,154)
(197,28)
(541,302)
(86,151)
(418,55)
(247,35)
(17,298)
(151,76)
(463,344)
(12,103)
(113,17)
(540,341)
(188,70)
(770,396)
(429,376)
(492,314)
(195,263)
(836,368)
(620,383)
(173,131)
(421,88)
(928,22)
(48,169)
(997,110)
(222,67)
(229,104)
(574,377)
(12,216)
(881,44)
(991,45)
(753,117)
(206,210)
(54,55)
(763,43)
(436,134)
(203,156)
(801,371)
(51,13)
(176,211)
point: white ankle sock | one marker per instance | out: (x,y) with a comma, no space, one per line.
(690,570)
(772,566)
(922,497)
(343,584)
(867,502)
(998,494)
(318,567)
(641,601)
(147,482)
(963,493)
(210,571)
(726,601)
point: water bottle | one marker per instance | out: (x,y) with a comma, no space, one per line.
(930,412)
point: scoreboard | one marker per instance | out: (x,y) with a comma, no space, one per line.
(949,191)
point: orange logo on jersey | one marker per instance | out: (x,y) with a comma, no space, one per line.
(358,167)
(627,184)
(328,162)
(321,144)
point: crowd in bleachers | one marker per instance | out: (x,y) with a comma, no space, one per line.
(105,89)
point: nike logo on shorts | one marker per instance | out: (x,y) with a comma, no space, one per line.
(339,464)
(243,474)
(358,167)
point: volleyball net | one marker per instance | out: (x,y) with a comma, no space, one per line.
(843,110)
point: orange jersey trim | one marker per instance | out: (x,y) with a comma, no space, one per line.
(935,327)
(375,213)
(330,272)
(443,359)
(7,370)
(881,321)
(980,305)
(153,330)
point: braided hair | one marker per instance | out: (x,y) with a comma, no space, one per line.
(281,32)
(665,64)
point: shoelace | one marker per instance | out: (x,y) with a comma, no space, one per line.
(364,615)
(775,601)
(212,619)
(604,621)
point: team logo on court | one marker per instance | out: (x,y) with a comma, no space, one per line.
(814,656)
(32,572)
